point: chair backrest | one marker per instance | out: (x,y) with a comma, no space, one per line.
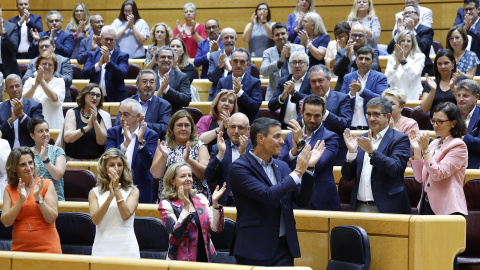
(264,91)
(5,236)
(472,191)
(414,191)
(437,46)
(264,112)
(152,237)
(78,183)
(345,192)
(133,70)
(131,89)
(73,92)
(254,71)
(222,241)
(77,72)
(76,231)
(350,248)
(23,69)
(194,112)
(421,117)
(406,111)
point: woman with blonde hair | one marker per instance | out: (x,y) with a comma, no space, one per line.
(160,35)
(314,38)
(112,204)
(180,61)
(398,99)
(183,211)
(79,26)
(295,19)
(364,13)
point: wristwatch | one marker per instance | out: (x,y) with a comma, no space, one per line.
(40,201)
(300,144)
(426,152)
(141,143)
(372,154)
(404,62)
(46,161)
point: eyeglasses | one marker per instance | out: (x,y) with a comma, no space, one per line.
(185,126)
(375,115)
(457,38)
(437,122)
(210,28)
(357,35)
(297,63)
(408,13)
(94,95)
(108,40)
(47,65)
(469,9)
(146,82)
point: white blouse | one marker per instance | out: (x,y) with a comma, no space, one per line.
(407,77)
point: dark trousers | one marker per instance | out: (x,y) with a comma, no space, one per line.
(282,256)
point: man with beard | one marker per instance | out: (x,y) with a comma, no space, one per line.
(171,85)
(275,63)
(91,43)
(64,41)
(325,195)
(157,111)
(208,46)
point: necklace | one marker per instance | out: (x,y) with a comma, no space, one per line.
(86,116)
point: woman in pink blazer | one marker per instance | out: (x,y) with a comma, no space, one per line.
(441,166)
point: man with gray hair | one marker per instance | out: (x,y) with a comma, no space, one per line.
(108,66)
(138,143)
(291,89)
(468,93)
(64,41)
(157,111)
(171,85)
(376,161)
(94,41)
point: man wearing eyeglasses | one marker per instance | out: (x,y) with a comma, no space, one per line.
(208,46)
(423,34)
(471,25)
(345,58)
(377,161)
(64,69)
(291,89)
(425,16)
(108,66)
(157,111)
(93,41)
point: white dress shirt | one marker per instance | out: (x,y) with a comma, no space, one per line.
(24,43)
(358,118)
(291,110)
(102,76)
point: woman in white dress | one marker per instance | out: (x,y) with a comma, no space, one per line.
(4,152)
(112,206)
(47,89)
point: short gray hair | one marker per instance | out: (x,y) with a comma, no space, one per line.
(320,67)
(470,85)
(397,93)
(302,54)
(384,104)
(242,50)
(136,106)
(164,48)
(417,9)
(52,12)
(190,4)
(93,15)
(13,76)
(108,29)
(146,71)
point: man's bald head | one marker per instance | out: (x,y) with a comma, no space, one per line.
(358,34)
(238,125)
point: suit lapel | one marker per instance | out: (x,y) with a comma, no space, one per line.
(369,82)
(228,152)
(152,107)
(385,140)
(331,100)
(474,120)
(257,167)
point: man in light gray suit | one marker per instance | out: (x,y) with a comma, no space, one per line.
(64,69)
(275,59)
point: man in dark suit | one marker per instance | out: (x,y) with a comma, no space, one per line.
(108,67)
(64,69)
(16,112)
(325,195)
(247,88)
(471,25)
(8,47)
(338,115)
(157,111)
(138,143)
(468,93)
(379,163)
(172,85)
(227,151)
(291,89)
(91,43)
(64,41)
(423,34)
(460,17)
(208,46)
(363,85)
(265,190)
(345,60)
(25,23)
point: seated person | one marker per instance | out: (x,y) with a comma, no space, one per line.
(471,25)
(160,35)
(398,99)
(49,159)
(426,15)
(85,131)
(64,41)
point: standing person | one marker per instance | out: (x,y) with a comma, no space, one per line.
(364,13)
(4,152)
(377,162)
(426,15)
(471,25)
(295,19)
(112,205)
(161,34)
(188,216)
(341,33)
(92,42)
(132,30)
(25,22)
(79,26)
(265,190)
(30,204)
(258,32)
(314,38)
(190,32)
(63,40)
(181,60)
(467,61)
(8,47)
(208,46)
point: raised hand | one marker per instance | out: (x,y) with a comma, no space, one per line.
(243,145)
(222,147)
(17,106)
(316,153)
(285,54)
(296,129)
(350,141)
(453,80)
(180,28)
(414,137)
(468,23)
(355,87)
(423,141)
(221,60)
(300,19)
(289,87)
(22,191)
(217,194)
(34,33)
(131,21)
(93,114)
(94,43)
(154,49)
(105,54)
(182,197)
(81,26)
(40,74)
(126,133)
(350,49)
(366,143)
(43,150)
(186,153)
(400,25)
(430,82)
(114,178)
(37,188)
(237,84)
(194,24)
(143,126)
(164,84)
(162,147)
(214,45)
(303,159)
(409,24)
(303,37)
(399,54)
(253,19)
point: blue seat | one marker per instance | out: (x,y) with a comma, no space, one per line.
(5,236)
(350,248)
(76,231)
(152,237)
(223,241)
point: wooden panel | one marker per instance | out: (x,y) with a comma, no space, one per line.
(377,224)
(315,249)
(6,260)
(389,251)
(179,265)
(44,261)
(106,263)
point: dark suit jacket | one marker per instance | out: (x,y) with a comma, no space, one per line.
(260,205)
(216,171)
(343,65)
(141,160)
(85,47)
(472,140)
(10,41)
(389,165)
(251,99)
(376,84)
(325,195)
(115,73)
(475,47)
(201,58)
(34,22)
(64,43)
(179,94)
(157,116)
(31,109)
(274,103)
(460,16)
(64,71)
(424,40)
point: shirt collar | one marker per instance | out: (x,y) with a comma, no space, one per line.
(328,93)
(314,132)
(365,76)
(146,102)
(299,80)
(261,161)
(469,116)
(135,132)
(382,133)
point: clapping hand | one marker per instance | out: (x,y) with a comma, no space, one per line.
(143,126)
(162,147)
(17,106)
(183,198)
(217,194)
(409,24)
(468,22)
(130,21)
(243,145)
(303,160)
(413,136)
(213,45)
(355,87)
(105,54)
(43,150)
(114,180)
(453,80)
(253,19)
(430,82)
(399,54)
(423,140)
(400,25)
(316,153)
(37,188)
(186,153)
(350,49)
(221,60)
(180,28)
(300,19)
(34,33)
(81,26)
(237,84)
(222,147)
(22,191)
(365,143)
(303,37)
(350,141)
(164,84)
(126,133)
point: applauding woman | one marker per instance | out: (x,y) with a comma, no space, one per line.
(190,32)
(467,61)
(188,217)
(295,19)
(112,205)
(79,26)
(258,32)
(314,38)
